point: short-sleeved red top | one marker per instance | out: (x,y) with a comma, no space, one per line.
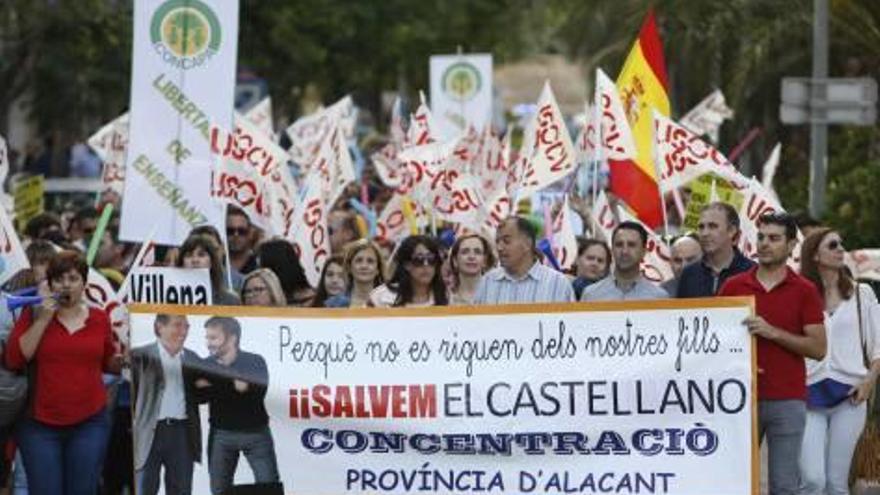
(790,306)
(69,367)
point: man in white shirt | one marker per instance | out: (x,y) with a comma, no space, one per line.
(521,278)
(167,429)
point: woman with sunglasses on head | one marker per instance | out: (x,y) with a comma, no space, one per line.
(417,279)
(332,282)
(840,384)
(202,251)
(364,265)
(261,287)
(470,257)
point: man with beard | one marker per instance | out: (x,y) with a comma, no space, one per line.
(629,242)
(789,324)
(238,418)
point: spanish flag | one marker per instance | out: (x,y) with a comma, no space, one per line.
(642,86)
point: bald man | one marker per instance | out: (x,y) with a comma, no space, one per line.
(685,250)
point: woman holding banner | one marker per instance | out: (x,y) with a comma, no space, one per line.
(261,287)
(201,251)
(470,257)
(364,266)
(65,346)
(417,280)
(840,384)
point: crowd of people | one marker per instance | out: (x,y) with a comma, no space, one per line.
(817,329)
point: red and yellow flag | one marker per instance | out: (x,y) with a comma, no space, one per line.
(642,86)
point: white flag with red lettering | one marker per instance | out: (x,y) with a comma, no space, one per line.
(250,172)
(564,241)
(12,256)
(613,132)
(681,156)
(310,236)
(110,143)
(333,164)
(548,154)
(604,216)
(392,224)
(261,116)
(706,118)
(307,133)
(422,126)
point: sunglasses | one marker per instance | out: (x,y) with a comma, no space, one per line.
(835,244)
(242,231)
(427,260)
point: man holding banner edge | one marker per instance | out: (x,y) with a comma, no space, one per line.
(790,326)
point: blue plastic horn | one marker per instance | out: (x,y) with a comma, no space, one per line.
(14,302)
(27,291)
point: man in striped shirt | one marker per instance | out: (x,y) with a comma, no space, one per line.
(521,278)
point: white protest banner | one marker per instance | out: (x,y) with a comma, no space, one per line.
(387,165)
(307,132)
(681,156)
(333,164)
(706,118)
(548,152)
(395,129)
(261,116)
(100,294)
(392,224)
(565,246)
(768,170)
(106,138)
(247,164)
(496,209)
(164,285)
(631,398)
(310,236)
(422,126)
(757,201)
(12,256)
(183,80)
(614,133)
(604,216)
(423,167)
(461,92)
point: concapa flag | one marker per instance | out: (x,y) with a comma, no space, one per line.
(643,87)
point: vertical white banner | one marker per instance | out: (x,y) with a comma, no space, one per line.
(461,92)
(183,80)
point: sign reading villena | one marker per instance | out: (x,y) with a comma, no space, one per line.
(160,285)
(630,398)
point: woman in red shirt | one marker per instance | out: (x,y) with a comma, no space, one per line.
(65,346)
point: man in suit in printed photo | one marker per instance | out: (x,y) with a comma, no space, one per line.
(167,427)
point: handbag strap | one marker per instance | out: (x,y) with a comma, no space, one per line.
(863,339)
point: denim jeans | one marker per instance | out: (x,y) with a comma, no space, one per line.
(224,449)
(63,460)
(830,439)
(782,422)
